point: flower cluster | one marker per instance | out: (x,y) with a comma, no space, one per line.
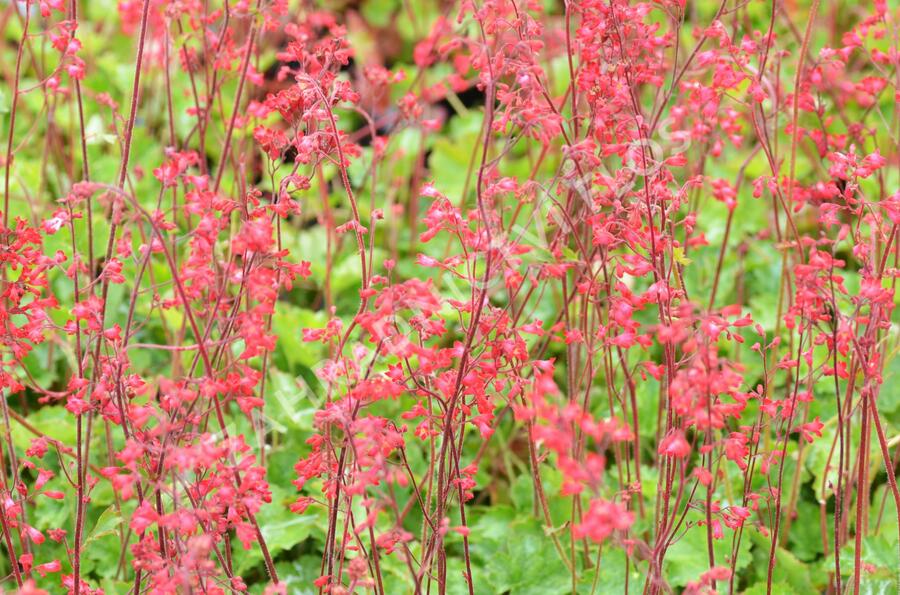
(625,268)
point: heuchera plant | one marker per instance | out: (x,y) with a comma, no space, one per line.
(494,296)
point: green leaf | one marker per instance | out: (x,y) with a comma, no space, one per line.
(508,565)
(687,558)
(281,528)
(288,324)
(680,258)
(788,568)
(289,403)
(109,520)
(780,588)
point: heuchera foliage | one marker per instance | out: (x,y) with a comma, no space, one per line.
(299,296)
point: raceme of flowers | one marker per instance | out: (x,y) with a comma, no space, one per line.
(571,294)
